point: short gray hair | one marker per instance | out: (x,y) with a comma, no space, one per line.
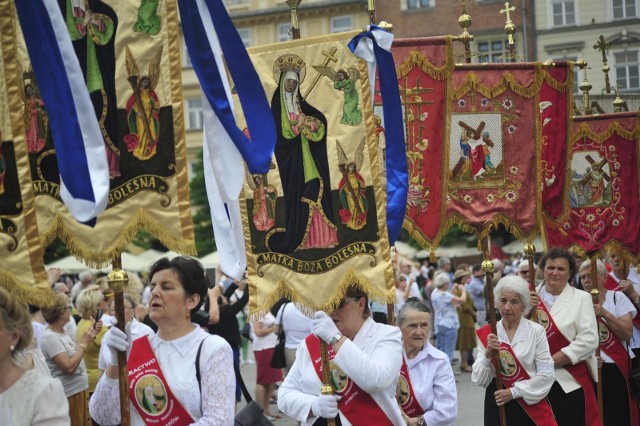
(443,261)
(602,270)
(514,284)
(440,279)
(412,304)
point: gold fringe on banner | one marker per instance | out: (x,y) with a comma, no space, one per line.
(417,60)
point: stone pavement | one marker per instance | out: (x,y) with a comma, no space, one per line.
(470,398)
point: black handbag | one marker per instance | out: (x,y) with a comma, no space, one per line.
(252,413)
(278,359)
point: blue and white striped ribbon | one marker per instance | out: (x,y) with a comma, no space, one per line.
(374,46)
(78,141)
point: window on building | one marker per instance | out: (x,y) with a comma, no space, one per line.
(186,59)
(245,36)
(564,12)
(284,32)
(341,23)
(624,9)
(627,70)
(418,4)
(493,50)
(194,113)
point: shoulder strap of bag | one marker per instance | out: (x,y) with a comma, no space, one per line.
(243,387)
(198,364)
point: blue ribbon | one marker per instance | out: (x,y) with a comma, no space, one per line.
(397,175)
(258,151)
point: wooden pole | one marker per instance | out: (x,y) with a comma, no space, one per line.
(529,251)
(595,298)
(118,280)
(295,26)
(487,267)
(371,7)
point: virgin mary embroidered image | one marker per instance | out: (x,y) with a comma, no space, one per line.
(301,154)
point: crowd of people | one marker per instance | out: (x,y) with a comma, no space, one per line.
(184,348)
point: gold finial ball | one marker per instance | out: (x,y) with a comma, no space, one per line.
(386,26)
(595,293)
(585,86)
(510,28)
(618,102)
(464,21)
(487,266)
(529,249)
(118,280)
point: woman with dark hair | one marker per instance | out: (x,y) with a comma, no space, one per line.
(366,359)
(568,317)
(181,372)
(26,396)
(426,390)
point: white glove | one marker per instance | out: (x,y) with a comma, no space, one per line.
(325,406)
(323,326)
(116,340)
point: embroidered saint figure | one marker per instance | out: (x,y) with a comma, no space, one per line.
(301,155)
(148,22)
(36,120)
(264,202)
(143,108)
(352,188)
(345,82)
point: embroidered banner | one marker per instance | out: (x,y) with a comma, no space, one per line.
(316,223)
(21,258)
(129,54)
(602,193)
(486,172)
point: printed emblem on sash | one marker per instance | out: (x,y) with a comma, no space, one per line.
(151,395)
(543,318)
(402,391)
(604,332)
(507,363)
(339,380)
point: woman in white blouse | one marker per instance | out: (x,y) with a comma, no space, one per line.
(526,363)
(201,394)
(426,390)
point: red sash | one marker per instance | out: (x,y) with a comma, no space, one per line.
(356,405)
(579,371)
(149,391)
(512,372)
(613,347)
(405,395)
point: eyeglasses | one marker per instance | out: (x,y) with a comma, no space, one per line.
(344,301)
(523,272)
(70,307)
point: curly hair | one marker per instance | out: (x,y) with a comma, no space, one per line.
(14,317)
(88,300)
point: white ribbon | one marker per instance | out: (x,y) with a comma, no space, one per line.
(365,51)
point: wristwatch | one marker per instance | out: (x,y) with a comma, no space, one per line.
(335,338)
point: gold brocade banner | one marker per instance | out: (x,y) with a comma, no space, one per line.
(316,223)
(21,259)
(130,56)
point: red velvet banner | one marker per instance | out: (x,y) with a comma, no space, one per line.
(473,137)
(602,193)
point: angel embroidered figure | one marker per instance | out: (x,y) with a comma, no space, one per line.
(35,116)
(345,82)
(352,188)
(264,202)
(143,109)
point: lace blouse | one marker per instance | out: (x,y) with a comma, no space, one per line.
(177,360)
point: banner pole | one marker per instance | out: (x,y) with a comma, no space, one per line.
(595,299)
(118,280)
(529,251)
(487,267)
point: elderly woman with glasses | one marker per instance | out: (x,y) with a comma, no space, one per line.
(525,361)
(65,358)
(615,313)
(426,390)
(365,364)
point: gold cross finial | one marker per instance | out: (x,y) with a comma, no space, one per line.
(602,45)
(507,9)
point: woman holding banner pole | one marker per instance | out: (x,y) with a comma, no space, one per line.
(526,363)
(365,361)
(615,314)
(181,375)
(572,331)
